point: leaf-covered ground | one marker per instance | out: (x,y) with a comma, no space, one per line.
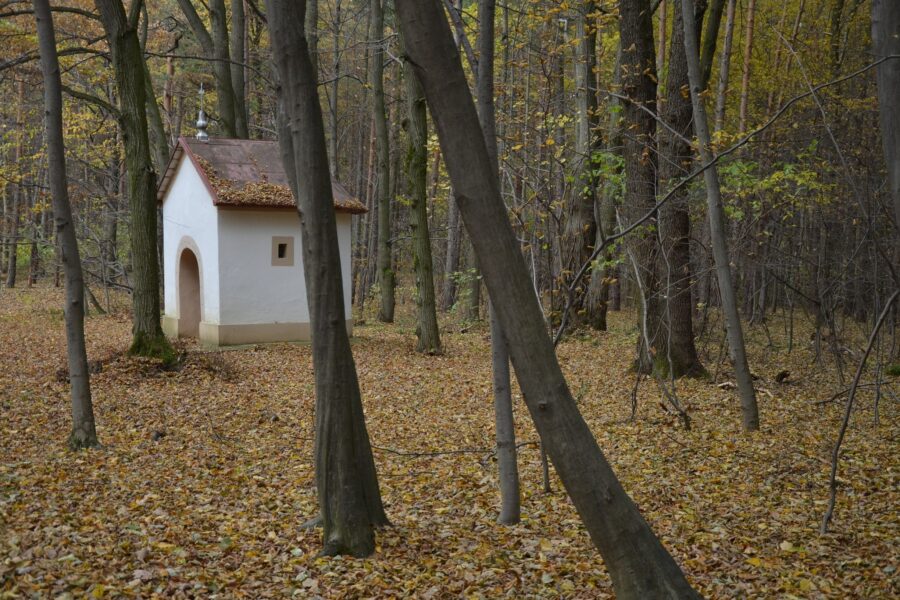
(205,475)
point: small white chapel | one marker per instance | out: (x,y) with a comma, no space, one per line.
(232,260)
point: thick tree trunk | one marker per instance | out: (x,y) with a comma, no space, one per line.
(676,354)
(886,42)
(121,34)
(238,79)
(349,498)
(311,27)
(639,85)
(215,47)
(382,185)
(638,564)
(749,409)
(429,340)
(333,137)
(580,233)
(84,433)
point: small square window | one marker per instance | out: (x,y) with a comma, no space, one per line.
(282,251)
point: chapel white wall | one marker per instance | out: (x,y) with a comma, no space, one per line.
(188,211)
(252,290)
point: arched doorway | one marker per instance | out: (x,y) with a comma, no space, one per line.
(188,295)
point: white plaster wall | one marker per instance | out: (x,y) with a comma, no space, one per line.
(188,211)
(252,290)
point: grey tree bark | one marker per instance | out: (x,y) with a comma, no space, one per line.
(724,66)
(383,159)
(121,34)
(886,42)
(238,79)
(581,225)
(84,432)
(676,354)
(749,409)
(349,498)
(507,467)
(639,86)
(429,340)
(638,564)
(215,46)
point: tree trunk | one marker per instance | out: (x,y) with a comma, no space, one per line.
(638,564)
(724,64)
(382,185)
(335,88)
(238,80)
(580,231)
(451,263)
(121,34)
(886,42)
(429,340)
(311,27)
(676,354)
(13,239)
(639,85)
(710,37)
(749,409)
(349,498)
(84,433)
(745,79)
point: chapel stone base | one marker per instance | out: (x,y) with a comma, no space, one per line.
(214,335)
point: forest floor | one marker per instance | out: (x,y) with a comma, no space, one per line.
(205,474)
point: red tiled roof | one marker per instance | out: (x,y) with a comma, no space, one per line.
(245,173)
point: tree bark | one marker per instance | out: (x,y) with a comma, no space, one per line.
(215,47)
(383,158)
(238,79)
(749,409)
(710,37)
(580,231)
(724,65)
(745,78)
(84,432)
(886,42)
(429,340)
(676,354)
(121,34)
(639,86)
(349,498)
(638,564)
(451,262)
(503,410)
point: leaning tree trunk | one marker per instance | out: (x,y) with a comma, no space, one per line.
(639,86)
(84,433)
(429,340)
(749,410)
(639,565)
(886,42)
(349,498)
(383,159)
(676,354)
(121,34)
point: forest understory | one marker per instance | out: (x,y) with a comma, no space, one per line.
(205,477)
